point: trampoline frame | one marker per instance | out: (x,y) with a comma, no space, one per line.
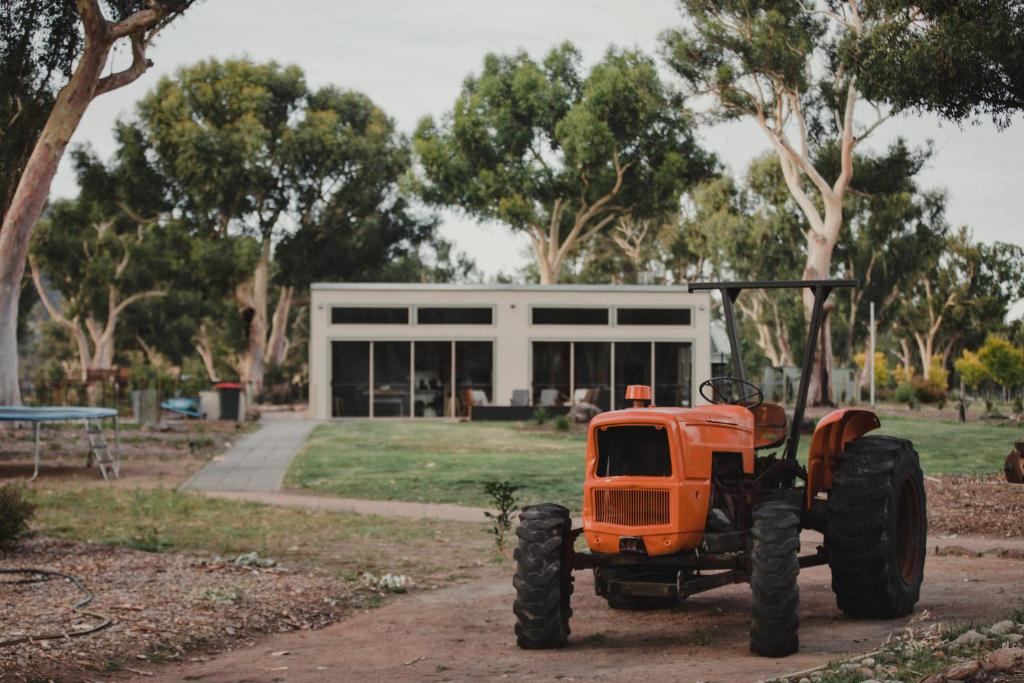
(68,414)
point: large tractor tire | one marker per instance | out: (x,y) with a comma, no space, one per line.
(775,565)
(877,526)
(605,575)
(543,578)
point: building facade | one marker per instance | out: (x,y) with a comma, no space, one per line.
(435,350)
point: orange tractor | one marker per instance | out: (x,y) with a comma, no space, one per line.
(678,501)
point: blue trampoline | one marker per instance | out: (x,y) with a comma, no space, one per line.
(99,452)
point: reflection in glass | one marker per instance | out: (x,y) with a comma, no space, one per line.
(632,366)
(550,373)
(391,379)
(474,374)
(433,378)
(350,379)
(672,362)
(593,373)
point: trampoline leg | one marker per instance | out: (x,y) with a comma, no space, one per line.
(117,447)
(35,473)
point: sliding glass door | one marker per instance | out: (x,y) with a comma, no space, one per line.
(350,379)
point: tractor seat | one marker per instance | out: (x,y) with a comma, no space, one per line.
(769,425)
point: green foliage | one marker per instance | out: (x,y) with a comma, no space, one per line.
(502,495)
(1003,362)
(15,512)
(956,59)
(541,415)
(970,368)
(561,423)
(905,394)
(536,145)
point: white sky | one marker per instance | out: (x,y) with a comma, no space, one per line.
(411,56)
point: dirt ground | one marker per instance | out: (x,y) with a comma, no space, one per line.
(161,605)
(465,633)
(150,457)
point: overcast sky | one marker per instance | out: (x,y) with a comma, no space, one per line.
(411,56)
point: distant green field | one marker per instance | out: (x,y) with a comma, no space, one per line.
(446,462)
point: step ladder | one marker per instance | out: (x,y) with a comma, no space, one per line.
(99,451)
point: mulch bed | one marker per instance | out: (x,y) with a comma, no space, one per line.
(163,607)
(975,506)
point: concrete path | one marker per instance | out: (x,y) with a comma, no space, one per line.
(257,461)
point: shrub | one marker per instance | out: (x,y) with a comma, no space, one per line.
(1018,405)
(15,512)
(540,415)
(905,394)
(929,390)
(561,423)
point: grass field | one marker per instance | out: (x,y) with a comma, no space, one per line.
(345,544)
(447,462)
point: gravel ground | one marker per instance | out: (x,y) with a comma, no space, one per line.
(163,606)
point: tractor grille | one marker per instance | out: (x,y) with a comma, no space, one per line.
(631,507)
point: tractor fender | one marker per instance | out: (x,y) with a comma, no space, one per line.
(831,435)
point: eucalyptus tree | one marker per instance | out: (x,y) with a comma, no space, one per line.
(102,252)
(558,154)
(959,60)
(52,59)
(783,65)
(252,156)
(963,295)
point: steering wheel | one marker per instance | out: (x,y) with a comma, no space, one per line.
(750,396)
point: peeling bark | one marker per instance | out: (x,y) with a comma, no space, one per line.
(33,187)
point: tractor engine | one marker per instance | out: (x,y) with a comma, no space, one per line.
(651,475)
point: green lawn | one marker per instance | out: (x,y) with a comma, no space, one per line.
(440,462)
(345,544)
(445,462)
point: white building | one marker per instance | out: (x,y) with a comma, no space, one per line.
(430,350)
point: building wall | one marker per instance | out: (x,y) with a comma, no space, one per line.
(511,331)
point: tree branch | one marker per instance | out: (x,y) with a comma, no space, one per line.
(128,301)
(129,75)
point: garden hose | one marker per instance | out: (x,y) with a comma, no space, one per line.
(41,575)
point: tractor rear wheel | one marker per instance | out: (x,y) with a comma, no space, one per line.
(773,579)
(876,528)
(543,578)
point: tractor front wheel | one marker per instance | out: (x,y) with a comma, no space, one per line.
(543,578)
(775,564)
(876,528)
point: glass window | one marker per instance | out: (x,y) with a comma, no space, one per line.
(350,379)
(550,373)
(569,316)
(454,316)
(474,373)
(632,366)
(592,366)
(354,315)
(652,316)
(391,379)
(433,388)
(633,451)
(673,374)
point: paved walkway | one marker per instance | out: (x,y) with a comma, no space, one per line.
(257,461)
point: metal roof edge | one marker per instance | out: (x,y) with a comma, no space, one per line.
(428,286)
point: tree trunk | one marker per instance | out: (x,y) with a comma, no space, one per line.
(205,350)
(253,298)
(29,200)
(818,267)
(278,344)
